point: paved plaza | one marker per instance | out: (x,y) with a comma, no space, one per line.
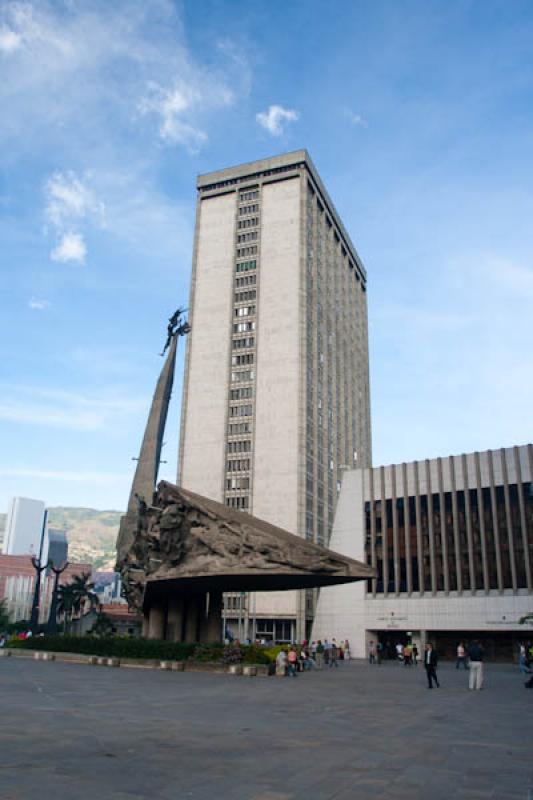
(76,732)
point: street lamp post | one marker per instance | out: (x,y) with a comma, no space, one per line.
(51,626)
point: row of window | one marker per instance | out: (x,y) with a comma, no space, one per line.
(238,483)
(237,502)
(244,311)
(253,195)
(251,236)
(246,280)
(241,297)
(240,360)
(238,465)
(243,393)
(240,446)
(252,222)
(243,327)
(253,209)
(242,252)
(235,428)
(245,266)
(246,375)
(247,341)
(240,411)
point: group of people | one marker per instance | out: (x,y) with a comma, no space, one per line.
(406,654)
(293,659)
(469,657)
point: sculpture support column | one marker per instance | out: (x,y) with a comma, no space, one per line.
(211,624)
(193,609)
(156,624)
(174,632)
(146,624)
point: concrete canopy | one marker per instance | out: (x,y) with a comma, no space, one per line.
(189,544)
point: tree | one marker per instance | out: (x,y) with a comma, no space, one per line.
(103,625)
(73,596)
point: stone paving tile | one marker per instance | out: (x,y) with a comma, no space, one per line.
(356,733)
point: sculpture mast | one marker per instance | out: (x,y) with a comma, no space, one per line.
(145,478)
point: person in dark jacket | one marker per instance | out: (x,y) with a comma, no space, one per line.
(475,657)
(430,664)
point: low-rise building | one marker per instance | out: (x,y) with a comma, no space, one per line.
(452,541)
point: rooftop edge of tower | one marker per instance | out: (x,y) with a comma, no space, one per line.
(224,179)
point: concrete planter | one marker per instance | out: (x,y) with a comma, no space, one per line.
(249,670)
(4,653)
(165,665)
(113,662)
(101,661)
(92,660)
(37,656)
(178,666)
(235,669)
(48,656)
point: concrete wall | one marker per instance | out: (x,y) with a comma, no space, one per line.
(275,460)
(204,422)
(275,466)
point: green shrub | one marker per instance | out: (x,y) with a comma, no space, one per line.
(127,647)
(117,646)
(255,654)
(232,654)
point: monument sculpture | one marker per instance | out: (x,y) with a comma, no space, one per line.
(178,552)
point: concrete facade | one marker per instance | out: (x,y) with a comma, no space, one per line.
(276,391)
(458,561)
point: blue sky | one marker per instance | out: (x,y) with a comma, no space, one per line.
(419,118)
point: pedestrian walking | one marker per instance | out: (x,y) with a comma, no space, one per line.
(333,654)
(399,652)
(319,655)
(461,656)
(475,657)
(372,652)
(415,654)
(430,664)
(379,652)
(347,654)
(327,652)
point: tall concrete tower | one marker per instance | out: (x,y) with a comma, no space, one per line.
(276,393)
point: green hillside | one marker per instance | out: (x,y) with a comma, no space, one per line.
(92,534)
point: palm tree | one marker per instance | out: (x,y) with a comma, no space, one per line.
(73,596)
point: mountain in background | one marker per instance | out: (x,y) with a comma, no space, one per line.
(91,534)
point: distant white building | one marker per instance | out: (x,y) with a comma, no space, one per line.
(24,528)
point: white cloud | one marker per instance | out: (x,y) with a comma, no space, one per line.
(71,203)
(63,475)
(356,119)
(67,198)
(38,305)
(171,105)
(275,119)
(66,410)
(9,40)
(70,248)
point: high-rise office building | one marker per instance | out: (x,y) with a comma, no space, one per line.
(276,392)
(26,529)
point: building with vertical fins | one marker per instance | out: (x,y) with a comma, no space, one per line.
(276,392)
(452,541)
